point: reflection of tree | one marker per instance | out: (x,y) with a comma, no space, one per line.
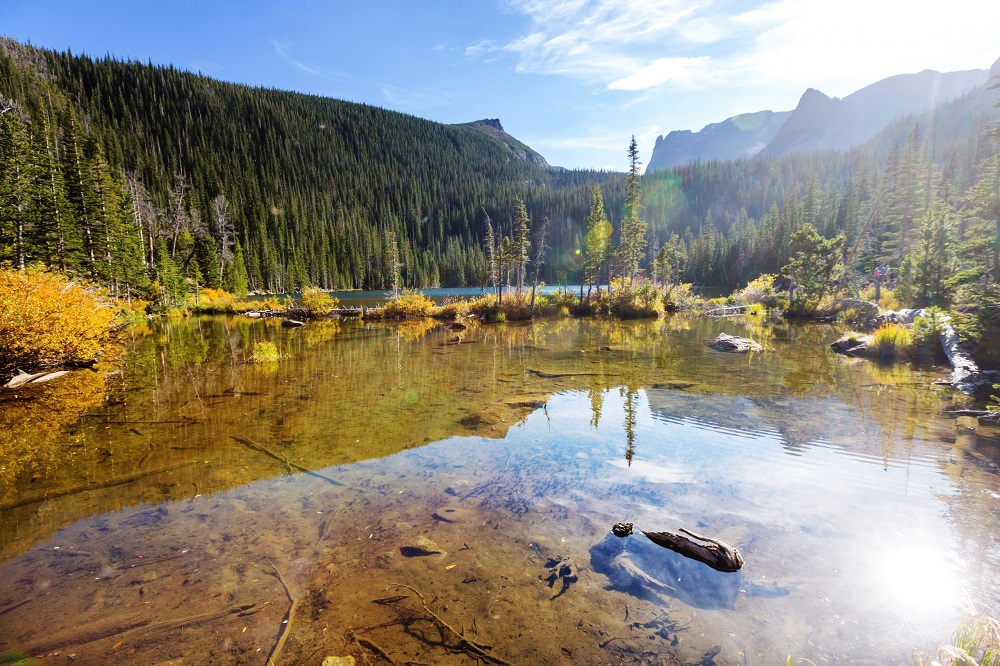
(630,395)
(33,419)
(596,393)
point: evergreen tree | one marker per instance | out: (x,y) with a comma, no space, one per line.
(633,232)
(521,242)
(598,239)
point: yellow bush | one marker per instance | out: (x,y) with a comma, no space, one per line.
(265,352)
(891,340)
(46,320)
(410,303)
(319,302)
(454,308)
(887,298)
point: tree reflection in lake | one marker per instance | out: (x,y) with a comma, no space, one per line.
(496,455)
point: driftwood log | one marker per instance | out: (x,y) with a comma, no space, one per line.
(720,556)
(716,554)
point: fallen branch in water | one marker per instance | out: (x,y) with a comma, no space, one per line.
(472,645)
(120,481)
(289,465)
(18,604)
(287,622)
(376,648)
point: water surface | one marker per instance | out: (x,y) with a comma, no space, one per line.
(178,509)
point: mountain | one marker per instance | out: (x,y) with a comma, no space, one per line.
(818,123)
(493,128)
(744,135)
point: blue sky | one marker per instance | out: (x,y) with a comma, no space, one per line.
(574,79)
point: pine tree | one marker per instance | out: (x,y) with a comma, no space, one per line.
(521,242)
(234,276)
(598,239)
(633,233)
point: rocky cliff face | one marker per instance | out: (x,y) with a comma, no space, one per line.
(819,122)
(823,123)
(740,136)
(493,127)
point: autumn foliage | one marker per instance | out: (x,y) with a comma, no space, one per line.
(46,320)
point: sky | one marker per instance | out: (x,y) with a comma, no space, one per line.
(574,79)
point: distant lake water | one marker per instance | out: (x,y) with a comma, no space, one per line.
(373,297)
(435,494)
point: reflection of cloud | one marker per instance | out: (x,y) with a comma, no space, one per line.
(655,473)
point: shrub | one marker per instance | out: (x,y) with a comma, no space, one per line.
(760,290)
(756,310)
(927,327)
(680,297)
(265,352)
(887,298)
(318,302)
(454,308)
(891,340)
(409,303)
(46,320)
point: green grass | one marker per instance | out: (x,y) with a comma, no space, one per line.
(891,340)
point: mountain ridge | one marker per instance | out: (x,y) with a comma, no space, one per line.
(818,122)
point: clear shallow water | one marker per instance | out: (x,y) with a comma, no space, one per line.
(166,521)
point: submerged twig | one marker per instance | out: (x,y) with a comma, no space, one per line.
(4,611)
(376,648)
(287,622)
(477,648)
(289,465)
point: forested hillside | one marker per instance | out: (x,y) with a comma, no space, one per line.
(123,163)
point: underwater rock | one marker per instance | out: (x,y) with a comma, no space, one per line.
(734,343)
(421,547)
(339,661)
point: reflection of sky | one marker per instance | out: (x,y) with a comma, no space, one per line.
(867,536)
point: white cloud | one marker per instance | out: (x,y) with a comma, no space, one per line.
(685,71)
(634,45)
(602,41)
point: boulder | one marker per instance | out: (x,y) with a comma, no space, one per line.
(733,343)
(852,344)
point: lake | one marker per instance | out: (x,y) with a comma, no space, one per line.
(414,493)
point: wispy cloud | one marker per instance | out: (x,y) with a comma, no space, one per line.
(414,101)
(282,50)
(637,45)
(618,44)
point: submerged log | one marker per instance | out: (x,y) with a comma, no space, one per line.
(292,323)
(727,311)
(732,343)
(720,556)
